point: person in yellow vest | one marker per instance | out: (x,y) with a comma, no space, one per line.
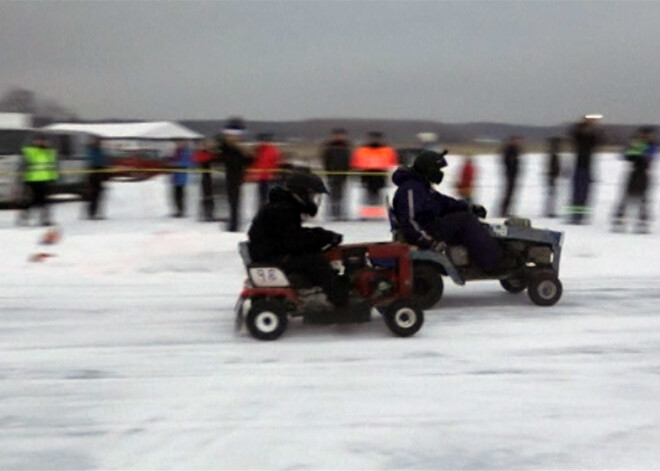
(39,173)
(373,159)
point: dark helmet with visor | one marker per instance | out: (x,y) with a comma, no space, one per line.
(307,190)
(429,164)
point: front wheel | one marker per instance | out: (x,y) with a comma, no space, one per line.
(403,319)
(266,319)
(544,289)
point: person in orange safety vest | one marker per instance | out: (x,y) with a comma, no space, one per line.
(373,159)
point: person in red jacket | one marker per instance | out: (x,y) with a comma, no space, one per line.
(267,159)
(465,183)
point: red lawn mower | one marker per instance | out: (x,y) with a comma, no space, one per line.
(379,275)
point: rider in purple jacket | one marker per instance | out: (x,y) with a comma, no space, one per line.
(428,218)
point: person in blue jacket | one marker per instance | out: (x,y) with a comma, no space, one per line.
(181,159)
(429,219)
(97,164)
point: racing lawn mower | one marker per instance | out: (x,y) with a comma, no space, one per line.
(379,275)
(531,257)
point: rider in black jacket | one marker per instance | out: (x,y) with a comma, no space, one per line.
(278,236)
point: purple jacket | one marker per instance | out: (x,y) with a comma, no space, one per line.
(416,206)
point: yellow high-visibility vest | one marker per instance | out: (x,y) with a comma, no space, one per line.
(40,164)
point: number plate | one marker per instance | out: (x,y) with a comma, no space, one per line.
(268,277)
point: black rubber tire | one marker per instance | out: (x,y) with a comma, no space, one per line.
(544,289)
(514,285)
(427,285)
(267,319)
(403,318)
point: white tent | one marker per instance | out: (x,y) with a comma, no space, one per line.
(144,130)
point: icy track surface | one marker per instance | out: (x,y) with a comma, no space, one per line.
(119,353)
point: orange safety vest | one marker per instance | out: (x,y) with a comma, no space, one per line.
(374,158)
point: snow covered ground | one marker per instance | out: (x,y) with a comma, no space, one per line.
(119,353)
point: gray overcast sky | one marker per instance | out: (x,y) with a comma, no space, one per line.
(520,62)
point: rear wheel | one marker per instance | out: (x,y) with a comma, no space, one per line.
(267,319)
(427,285)
(544,289)
(403,318)
(514,285)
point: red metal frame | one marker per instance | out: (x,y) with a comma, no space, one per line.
(375,250)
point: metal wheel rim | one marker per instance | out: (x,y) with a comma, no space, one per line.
(267,322)
(547,289)
(405,317)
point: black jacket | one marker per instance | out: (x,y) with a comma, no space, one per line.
(234,159)
(510,155)
(585,140)
(277,230)
(336,155)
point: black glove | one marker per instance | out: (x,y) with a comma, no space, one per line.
(334,239)
(438,246)
(479,211)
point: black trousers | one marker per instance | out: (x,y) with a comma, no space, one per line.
(95,192)
(234,198)
(509,189)
(313,268)
(179,193)
(263,187)
(208,205)
(38,193)
(581,186)
(464,228)
(337,184)
(374,184)
(551,197)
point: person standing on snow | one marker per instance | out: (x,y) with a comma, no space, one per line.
(373,160)
(465,183)
(39,168)
(182,160)
(97,164)
(430,220)
(553,171)
(235,160)
(640,154)
(267,160)
(336,155)
(511,160)
(204,158)
(586,138)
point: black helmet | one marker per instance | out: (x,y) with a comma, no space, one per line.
(306,188)
(429,164)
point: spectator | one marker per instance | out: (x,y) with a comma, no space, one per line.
(553,171)
(586,138)
(267,160)
(39,167)
(336,155)
(373,159)
(235,160)
(204,158)
(640,154)
(97,164)
(510,159)
(181,160)
(465,183)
